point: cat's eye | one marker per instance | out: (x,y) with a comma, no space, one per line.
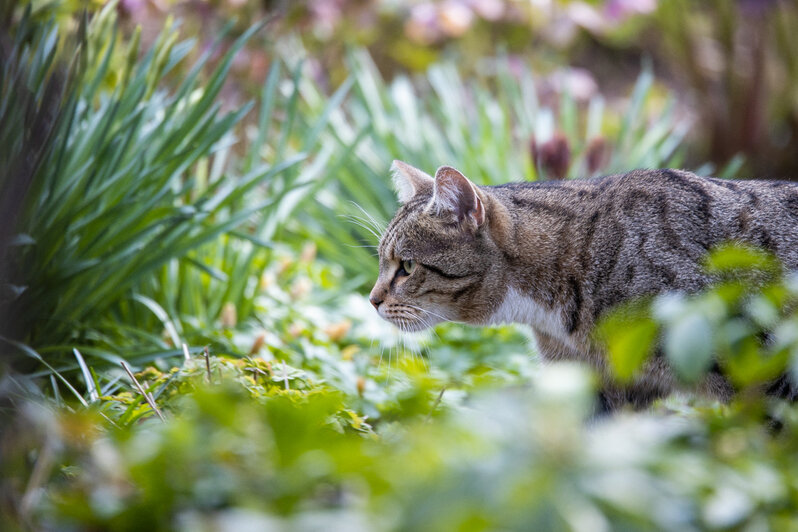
(408,266)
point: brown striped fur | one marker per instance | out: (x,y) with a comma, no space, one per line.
(557,255)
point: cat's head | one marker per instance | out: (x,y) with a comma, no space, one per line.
(438,259)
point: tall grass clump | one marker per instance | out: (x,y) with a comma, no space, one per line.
(129,215)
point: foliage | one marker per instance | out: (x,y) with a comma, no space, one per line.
(728,53)
(732,61)
(312,429)
(231,455)
(146,220)
(746,322)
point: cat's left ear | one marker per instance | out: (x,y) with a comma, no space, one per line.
(409,181)
(455,193)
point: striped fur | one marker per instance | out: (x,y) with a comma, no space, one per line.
(558,255)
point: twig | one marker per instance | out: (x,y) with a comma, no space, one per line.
(207,363)
(147,397)
(285,374)
(41,470)
(437,402)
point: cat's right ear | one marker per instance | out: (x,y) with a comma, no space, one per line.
(409,181)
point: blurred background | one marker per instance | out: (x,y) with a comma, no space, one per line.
(732,65)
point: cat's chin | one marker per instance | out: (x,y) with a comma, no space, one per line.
(412,326)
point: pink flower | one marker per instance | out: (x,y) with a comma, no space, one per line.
(488,9)
(622,9)
(455,17)
(422,24)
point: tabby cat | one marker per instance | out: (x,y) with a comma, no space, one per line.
(556,255)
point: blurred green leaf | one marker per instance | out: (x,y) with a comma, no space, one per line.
(628,334)
(688,343)
(735,257)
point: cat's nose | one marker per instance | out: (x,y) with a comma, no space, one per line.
(375,300)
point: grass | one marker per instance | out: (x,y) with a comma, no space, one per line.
(138,216)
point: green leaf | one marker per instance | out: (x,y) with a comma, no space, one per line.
(628,335)
(732,258)
(688,343)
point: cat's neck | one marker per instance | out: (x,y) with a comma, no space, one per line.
(535,280)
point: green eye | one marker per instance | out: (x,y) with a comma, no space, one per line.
(408,266)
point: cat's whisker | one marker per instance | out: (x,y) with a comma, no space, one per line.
(427,312)
(361,223)
(382,352)
(370,225)
(426,322)
(428,325)
(364,223)
(416,351)
(371,345)
(403,343)
(379,225)
(372,246)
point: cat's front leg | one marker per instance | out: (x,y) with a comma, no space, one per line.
(551,349)
(655,381)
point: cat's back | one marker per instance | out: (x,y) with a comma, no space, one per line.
(629,235)
(671,209)
(762,213)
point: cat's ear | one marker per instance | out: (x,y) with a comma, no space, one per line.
(455,193)
(409,181)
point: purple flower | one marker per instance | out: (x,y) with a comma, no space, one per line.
(621,9)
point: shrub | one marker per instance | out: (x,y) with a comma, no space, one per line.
(129,216)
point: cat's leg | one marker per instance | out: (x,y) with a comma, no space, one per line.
(551,349)
(655,381)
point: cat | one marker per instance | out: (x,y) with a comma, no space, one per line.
(557,255)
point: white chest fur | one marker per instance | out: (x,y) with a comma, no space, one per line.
(520,308)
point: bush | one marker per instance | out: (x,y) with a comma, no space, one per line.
(313,432)
(745,323)
(129,215)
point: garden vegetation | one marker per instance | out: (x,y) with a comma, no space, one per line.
(186,344)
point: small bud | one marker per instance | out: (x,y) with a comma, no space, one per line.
(301,288)
(553,157)
(257,344)
(228,317)
(267,280)
(296,329)
(336,331)
(283,265)
(348,352)
(598,154)
(308,252)
(361,386)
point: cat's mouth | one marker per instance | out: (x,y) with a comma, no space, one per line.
(408,319)
(407,325)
